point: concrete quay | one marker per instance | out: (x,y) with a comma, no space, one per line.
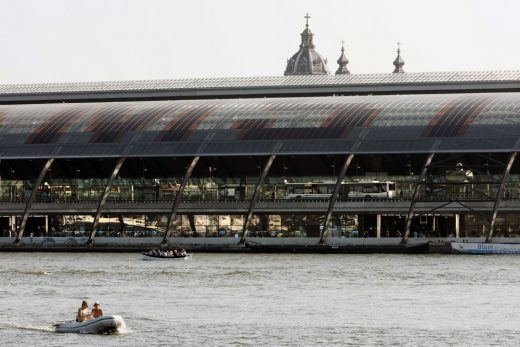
(222,244)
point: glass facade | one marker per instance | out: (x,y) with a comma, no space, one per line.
(455,198)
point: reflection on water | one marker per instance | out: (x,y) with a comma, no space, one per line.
(226,299)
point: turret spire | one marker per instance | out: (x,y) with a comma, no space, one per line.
(398,62)
(342,61)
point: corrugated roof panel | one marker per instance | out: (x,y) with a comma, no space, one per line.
(264,81)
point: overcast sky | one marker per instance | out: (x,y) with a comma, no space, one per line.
(99,40)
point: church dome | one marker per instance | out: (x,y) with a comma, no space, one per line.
(307,61)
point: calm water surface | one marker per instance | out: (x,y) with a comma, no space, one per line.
(277,300)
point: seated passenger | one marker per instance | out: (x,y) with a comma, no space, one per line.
(83,313)
(183,253)
(97,311)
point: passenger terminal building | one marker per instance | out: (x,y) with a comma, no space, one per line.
(308,157)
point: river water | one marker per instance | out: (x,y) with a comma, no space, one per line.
(276,300)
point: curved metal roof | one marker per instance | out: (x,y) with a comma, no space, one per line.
(387,83)
(360,124)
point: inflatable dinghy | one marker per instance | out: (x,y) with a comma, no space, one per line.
(100,325)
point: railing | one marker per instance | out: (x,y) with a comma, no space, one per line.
(237,202)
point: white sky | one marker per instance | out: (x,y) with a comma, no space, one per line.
(100,40)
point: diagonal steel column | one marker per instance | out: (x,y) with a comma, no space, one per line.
(499,195)
(32,198)
(103,199)
(334,196)
(415,196)
(254,199)
(178,196)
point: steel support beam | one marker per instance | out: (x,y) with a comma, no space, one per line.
(32,198)
(103,199)
(178,197)
(499,195)
(256,194)
(415,196)
(334,196)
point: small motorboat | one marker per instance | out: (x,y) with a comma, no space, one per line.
(100,325)
(148,256)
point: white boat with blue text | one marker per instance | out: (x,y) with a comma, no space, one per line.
(485,248)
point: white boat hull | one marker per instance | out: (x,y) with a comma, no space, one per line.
(100,325)
(485,248)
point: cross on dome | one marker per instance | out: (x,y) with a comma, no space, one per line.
(307,17)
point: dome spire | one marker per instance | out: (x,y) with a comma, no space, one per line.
(307,34)
(398,62)
(306,61)
(342,61)
(307,17)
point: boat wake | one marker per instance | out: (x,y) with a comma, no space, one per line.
(36,273)
(27,327)
(237,273)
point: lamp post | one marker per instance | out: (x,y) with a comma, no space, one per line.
(11,188)
(410,173)
(77,183)
(50,184)
(357,169)
(212,168)
(143,183)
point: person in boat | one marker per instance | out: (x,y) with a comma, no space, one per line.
(83,313)
(97,311)
(183,253)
